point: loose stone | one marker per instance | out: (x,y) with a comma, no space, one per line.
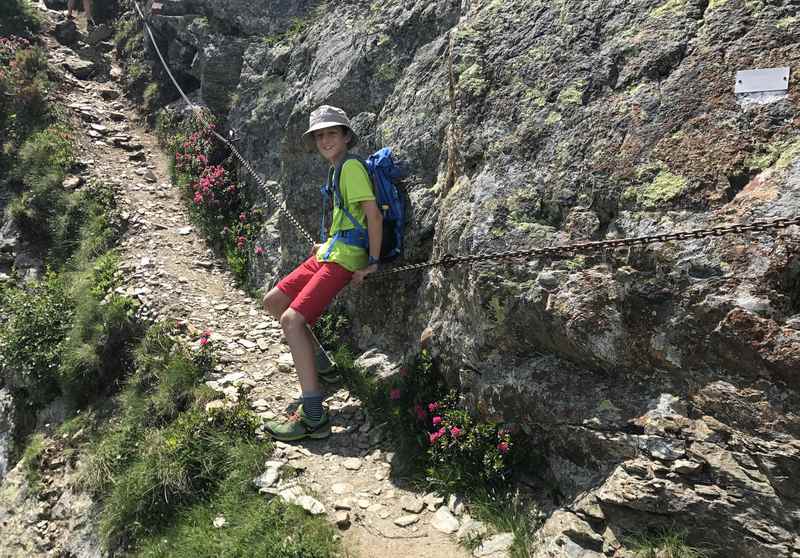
(444,521)
(406,520)
(311,505)
(494,544)
(412,504)
(433,501)
(341,488)
(470,529)
(455,504)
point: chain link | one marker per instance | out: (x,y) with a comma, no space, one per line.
(449,260)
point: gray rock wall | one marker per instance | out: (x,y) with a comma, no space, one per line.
(568,121)
(6,430)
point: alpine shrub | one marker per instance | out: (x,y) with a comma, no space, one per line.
(18,17)
(36,319)
(464,452)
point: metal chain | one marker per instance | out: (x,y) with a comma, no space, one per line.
(596,246)
(263,184)
(449,260)
(198,113)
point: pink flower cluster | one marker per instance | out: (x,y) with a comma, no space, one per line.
(205,338)
(437,420)
(433,437)
(212,186)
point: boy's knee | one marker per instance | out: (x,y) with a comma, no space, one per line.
(273,304)
(292,320)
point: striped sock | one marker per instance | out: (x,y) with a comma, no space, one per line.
(312,406)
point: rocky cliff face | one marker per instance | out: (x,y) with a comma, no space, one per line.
(661,381)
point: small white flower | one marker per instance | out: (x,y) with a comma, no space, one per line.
(219,522)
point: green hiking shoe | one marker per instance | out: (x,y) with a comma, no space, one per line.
(299,427)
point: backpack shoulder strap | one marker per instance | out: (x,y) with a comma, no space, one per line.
(337,194)
(337,175)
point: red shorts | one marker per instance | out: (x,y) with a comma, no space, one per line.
(313,285)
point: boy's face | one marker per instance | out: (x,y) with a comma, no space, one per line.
(332,143)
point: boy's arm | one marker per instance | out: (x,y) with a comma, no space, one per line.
(375,232)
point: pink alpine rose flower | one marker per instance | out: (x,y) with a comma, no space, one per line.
(437,420)
(394,394)
(502,447)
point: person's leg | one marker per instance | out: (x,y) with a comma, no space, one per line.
(87,8)
(275,303)
(70,7)
(304,309)
(299,341)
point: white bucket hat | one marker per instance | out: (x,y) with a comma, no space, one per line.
(327,116)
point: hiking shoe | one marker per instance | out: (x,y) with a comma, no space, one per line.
(298,427)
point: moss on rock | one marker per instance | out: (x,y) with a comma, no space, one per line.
(664,187)
(572,95)
(788,154)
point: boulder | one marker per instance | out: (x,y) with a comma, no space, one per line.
(81,69)
(99,33)
(66,32)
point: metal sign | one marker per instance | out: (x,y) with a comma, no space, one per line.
(759,81)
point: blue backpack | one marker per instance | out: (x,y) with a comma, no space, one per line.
(383,172)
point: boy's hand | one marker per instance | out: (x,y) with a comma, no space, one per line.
(314,249)
(358,276)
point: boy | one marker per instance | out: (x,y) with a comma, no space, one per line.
(300,297)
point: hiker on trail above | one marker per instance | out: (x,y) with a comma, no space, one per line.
(87,8)
(301,297)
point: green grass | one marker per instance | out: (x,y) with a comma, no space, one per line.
(39,169)
(507,512)
(32,460)
(667,543)
(151,95)
(254,526)
(96,353)
(164,468)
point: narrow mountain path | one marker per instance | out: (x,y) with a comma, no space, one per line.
(168,266)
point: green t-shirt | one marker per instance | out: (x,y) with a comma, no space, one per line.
(355,187)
